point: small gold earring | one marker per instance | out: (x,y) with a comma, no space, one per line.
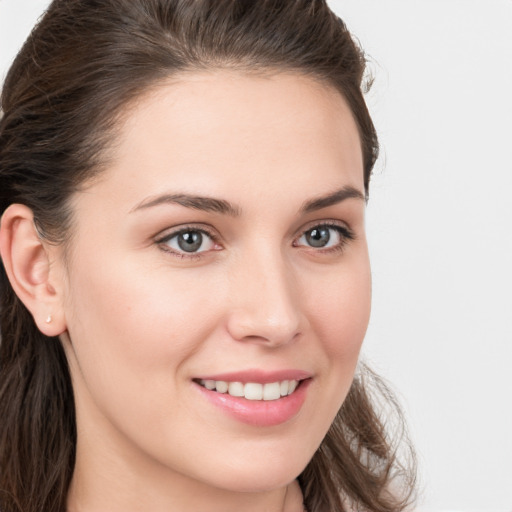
(48,319)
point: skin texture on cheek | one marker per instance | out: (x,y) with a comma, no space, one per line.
(145,324)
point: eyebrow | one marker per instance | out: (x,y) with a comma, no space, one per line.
(331,199)
(207,204)
(210,204)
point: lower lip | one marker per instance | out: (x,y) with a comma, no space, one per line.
(259,413)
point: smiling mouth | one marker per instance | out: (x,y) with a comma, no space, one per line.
(252,390)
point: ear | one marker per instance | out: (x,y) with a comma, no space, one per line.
(26,258)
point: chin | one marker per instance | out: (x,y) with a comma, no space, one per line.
(254,481)
(259,476)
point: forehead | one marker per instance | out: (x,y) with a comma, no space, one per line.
(227,132)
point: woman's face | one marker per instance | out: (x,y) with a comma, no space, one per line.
(225,242)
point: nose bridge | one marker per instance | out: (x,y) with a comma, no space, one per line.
(265,302)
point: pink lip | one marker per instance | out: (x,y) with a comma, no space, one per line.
(258,376)
(259,413)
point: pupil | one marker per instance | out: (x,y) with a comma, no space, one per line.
(318,237)
(190,241)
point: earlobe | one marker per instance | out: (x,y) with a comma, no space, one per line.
(27,264)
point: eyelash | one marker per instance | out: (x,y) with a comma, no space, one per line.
(346,235)
(162,242)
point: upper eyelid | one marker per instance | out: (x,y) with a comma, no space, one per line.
(168,233)
(328,223)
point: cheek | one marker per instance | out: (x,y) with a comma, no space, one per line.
(133,329)
(128,299)
(340,312)
(134,324)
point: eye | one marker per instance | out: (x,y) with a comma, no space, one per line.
(325,236)
(188,241)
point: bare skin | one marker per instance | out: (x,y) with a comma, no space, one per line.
(142,319)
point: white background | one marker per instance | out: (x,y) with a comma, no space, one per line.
(440,229)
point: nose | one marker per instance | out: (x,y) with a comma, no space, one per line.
(265,303)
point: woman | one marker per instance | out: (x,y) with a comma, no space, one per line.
(185,283)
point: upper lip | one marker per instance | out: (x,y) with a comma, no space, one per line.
(258,376)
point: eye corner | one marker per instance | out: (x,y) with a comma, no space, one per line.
(343,235)
(202,242)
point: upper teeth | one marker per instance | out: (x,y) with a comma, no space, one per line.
(252,390)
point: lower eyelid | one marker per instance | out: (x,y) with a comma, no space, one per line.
(164,243)
(345,234)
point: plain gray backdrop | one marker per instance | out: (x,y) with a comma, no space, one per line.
(439,222)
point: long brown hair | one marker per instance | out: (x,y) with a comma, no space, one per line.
(62,99)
